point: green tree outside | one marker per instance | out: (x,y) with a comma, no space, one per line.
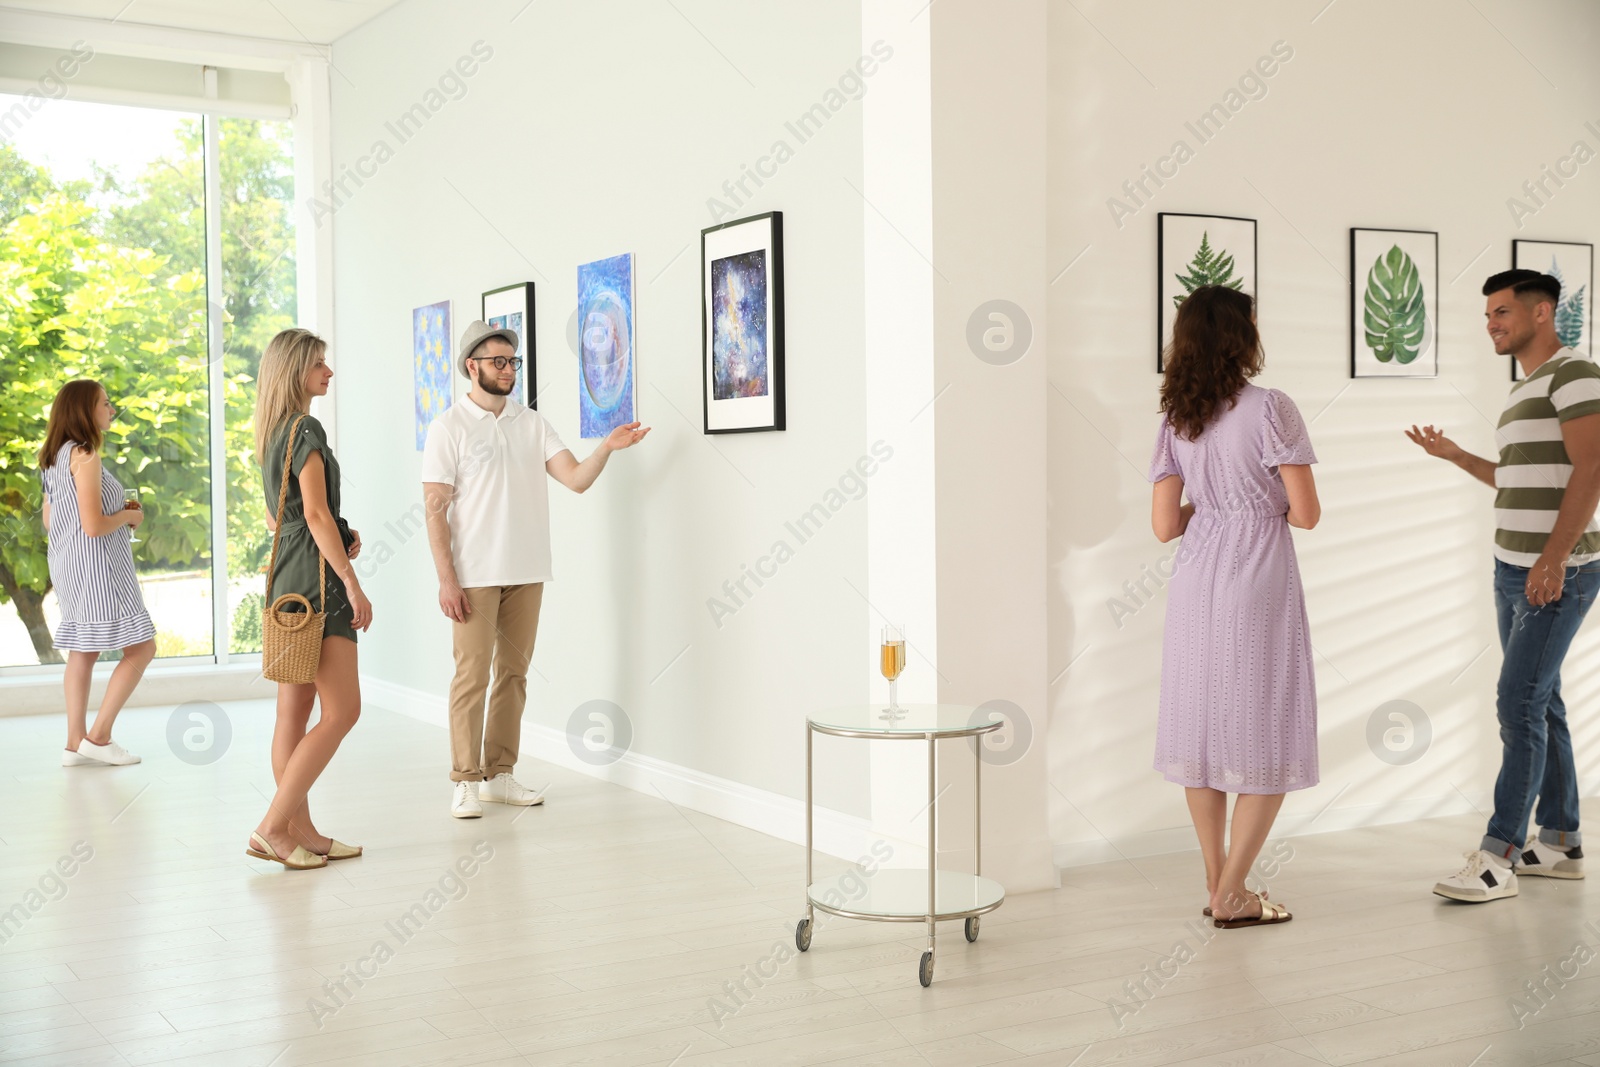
(109,283)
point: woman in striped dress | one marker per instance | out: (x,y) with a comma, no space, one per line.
(91,567)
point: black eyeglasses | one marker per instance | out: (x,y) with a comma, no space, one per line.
(501,361)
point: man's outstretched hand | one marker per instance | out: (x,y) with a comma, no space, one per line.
(1434,442)
(625,436)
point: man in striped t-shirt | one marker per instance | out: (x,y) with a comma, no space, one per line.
(1547,573)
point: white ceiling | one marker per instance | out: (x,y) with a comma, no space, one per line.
(312,21)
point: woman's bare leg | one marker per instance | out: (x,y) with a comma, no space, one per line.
(119,687)
(1253,816)
(294,712)
(75,681)
(339,689)
(1209,810)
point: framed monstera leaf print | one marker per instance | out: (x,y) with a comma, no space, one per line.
(1394,303)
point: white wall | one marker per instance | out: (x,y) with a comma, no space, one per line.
(605,128)
(596,129)
(1424,115)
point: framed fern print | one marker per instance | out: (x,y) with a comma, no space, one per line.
(1394,303)
(1572,264)
(1196,250)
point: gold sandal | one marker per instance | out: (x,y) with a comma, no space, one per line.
(299,859)
(1271,914)
(338,850)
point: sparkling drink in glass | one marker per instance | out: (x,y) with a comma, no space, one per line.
(892,661)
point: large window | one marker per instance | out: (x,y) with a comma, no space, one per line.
(131,254)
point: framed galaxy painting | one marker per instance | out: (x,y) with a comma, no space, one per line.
(741,293)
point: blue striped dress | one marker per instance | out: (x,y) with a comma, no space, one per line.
(96,587)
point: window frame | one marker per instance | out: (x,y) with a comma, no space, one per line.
(305,67)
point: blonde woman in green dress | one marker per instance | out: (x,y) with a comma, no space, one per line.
(294,368)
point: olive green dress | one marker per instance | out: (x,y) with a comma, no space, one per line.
(296,569)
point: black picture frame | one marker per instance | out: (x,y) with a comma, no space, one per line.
(1588,332)
(1163,311)
(1432,302)
(507,296)
(735,414)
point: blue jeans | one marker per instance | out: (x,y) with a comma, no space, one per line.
(1536,760)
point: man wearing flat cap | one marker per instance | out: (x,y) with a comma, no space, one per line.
(483,471)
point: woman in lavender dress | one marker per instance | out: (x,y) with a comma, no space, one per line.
(1238,700)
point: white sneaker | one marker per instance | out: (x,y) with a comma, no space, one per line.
(70,758)
(1485,877)
(1547,861)
(464,803)
(109,753)
(504,789)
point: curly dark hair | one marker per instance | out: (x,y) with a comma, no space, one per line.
(1215,349)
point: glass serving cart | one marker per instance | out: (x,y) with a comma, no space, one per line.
(905,895)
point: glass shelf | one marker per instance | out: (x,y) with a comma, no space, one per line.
(945,720)
(902,893)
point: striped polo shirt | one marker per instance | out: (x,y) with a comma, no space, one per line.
(1532,474)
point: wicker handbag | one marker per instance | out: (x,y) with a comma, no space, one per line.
(291,641)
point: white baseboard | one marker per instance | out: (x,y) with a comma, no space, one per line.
(835,833)
(40,693)
(1181,838)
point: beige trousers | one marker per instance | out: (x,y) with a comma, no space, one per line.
(497,638)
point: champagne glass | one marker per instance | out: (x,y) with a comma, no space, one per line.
(130,501)
(892,660)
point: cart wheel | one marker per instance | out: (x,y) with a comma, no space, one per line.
(925,970)
(972,928)
(802,935)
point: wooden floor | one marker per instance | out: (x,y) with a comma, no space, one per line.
(608,928)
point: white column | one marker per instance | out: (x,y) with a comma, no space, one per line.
(897,240)
(988,107)
(954,219)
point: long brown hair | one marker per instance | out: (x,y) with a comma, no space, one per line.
(1215,349)
(281,382)
(72,419)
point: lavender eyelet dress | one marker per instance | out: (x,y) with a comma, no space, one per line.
(1238,697)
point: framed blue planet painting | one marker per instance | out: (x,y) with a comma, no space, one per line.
(741,286)
(605,345)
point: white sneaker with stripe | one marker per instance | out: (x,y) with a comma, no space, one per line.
(1485,877)
(1547,861)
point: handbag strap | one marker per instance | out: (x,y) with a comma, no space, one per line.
(277,526)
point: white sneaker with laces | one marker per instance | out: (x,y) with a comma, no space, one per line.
(464,802)
(1547,861)
(70,758)
(109,753)
(1485,877)
(504,789)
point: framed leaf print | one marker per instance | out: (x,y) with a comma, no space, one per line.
(1394,303)
(1196,250)
(1572,264)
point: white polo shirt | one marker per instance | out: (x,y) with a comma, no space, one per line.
(500,514)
